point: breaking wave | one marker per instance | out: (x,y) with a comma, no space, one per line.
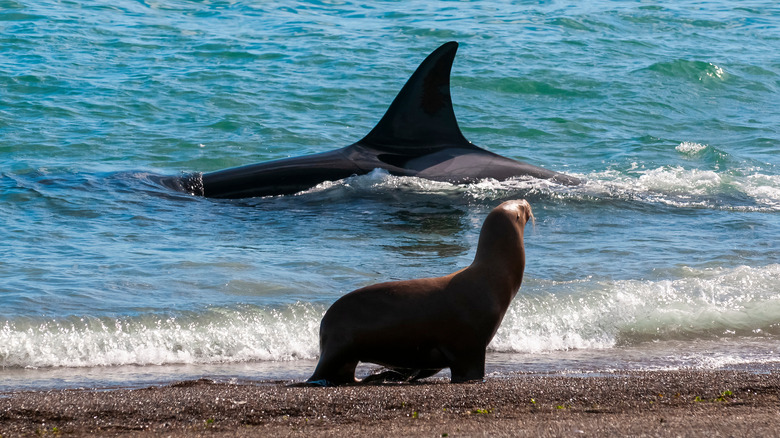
(545,316)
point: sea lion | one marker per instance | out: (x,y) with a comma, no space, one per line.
(418,327)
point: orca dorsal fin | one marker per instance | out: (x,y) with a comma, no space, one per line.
(421,119)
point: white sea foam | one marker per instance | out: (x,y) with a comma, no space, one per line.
(678,180)
(765,189)
(214,336)
(676,186)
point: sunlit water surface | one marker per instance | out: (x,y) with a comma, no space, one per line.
(666,258)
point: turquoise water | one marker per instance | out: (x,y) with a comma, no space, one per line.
(666,257)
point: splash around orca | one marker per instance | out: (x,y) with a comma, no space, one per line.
(418,136)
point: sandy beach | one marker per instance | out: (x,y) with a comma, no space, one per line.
(668,403)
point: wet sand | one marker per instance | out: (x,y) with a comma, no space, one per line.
(668,403)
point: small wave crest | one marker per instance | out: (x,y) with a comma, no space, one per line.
(704,304)
(690,148)
(699,71)
(735,189)
(213,336)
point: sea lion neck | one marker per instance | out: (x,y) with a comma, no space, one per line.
(500,248)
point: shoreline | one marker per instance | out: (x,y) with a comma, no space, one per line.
(650,403)
(740,354)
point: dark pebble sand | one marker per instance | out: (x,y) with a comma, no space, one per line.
(663,403)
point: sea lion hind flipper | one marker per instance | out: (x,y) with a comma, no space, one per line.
(422,374)
(400,375)
(385,375)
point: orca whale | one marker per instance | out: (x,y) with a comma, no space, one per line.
(418,136)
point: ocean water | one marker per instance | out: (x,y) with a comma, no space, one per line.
(666,258)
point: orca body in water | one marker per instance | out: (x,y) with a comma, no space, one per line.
(418,136)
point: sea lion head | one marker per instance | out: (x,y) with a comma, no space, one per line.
(506,222)
(520,208)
